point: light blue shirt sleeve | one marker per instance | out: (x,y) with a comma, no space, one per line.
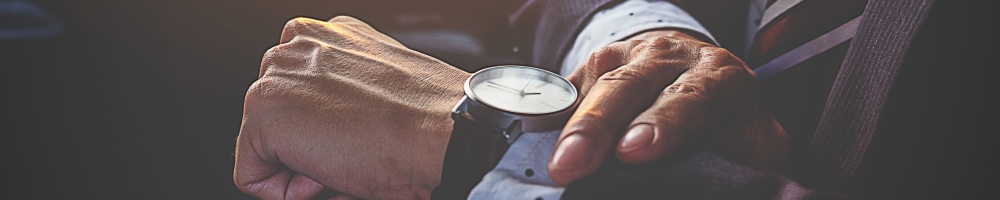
(624,20)
(523,173)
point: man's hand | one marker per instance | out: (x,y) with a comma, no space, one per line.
(343,111)
(662,88)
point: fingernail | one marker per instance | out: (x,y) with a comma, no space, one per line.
(573,152)
(640,136)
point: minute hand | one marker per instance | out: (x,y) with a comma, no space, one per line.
(525,86)
(491,83)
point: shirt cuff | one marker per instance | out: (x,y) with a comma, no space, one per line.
(626,19)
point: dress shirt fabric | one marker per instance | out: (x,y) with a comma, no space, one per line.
(522,172)
(624,20)
(545,31)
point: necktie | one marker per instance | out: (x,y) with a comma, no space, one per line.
(797,53)
(806,29)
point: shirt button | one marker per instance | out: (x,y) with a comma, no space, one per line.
(515,49)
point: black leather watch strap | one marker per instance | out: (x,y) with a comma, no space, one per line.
(473,150)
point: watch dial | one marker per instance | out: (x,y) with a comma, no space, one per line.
(523,90)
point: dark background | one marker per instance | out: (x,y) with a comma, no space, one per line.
(143,99)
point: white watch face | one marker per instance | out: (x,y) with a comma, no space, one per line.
(522,90)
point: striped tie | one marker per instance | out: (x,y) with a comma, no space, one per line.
(797,52)
(802,30)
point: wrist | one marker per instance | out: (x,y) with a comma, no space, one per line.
(437,125)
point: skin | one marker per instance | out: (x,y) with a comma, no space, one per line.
(661,88)
(324,120)
(329,118)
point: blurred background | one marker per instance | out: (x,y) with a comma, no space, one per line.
(124,99)
(127,99)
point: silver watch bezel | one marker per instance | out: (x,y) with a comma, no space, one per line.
(486,73)
(510,122)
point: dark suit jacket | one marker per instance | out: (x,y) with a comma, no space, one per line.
(909,156)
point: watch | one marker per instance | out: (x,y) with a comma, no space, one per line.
(500,104)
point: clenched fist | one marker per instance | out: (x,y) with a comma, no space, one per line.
(342,111)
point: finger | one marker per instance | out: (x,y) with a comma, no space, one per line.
(293,52)
(615,98)
(293,30)
(302,187)
(302,26)
(719,84)
(260,174)
(329,194)
(292,56)
(270,181)
(584,78)
(600,62)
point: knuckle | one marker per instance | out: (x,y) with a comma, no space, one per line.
(298,25)
(606,51)
(343,19)
(738,73)
(716,51)
(662,42)
(638,47)
(604,58)
(635,43)
(726,73)
(721,64)
(300,44)
(719,56)
(246,180)
(263,95)
(293,54)
(625,74)
(589,121)
(668,49)
(661,45)
(302,26)
(685,90)
(245,187)
(268,60)
(292,23)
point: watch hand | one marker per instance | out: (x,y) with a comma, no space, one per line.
(504,88)
(532,93)
(526,86)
